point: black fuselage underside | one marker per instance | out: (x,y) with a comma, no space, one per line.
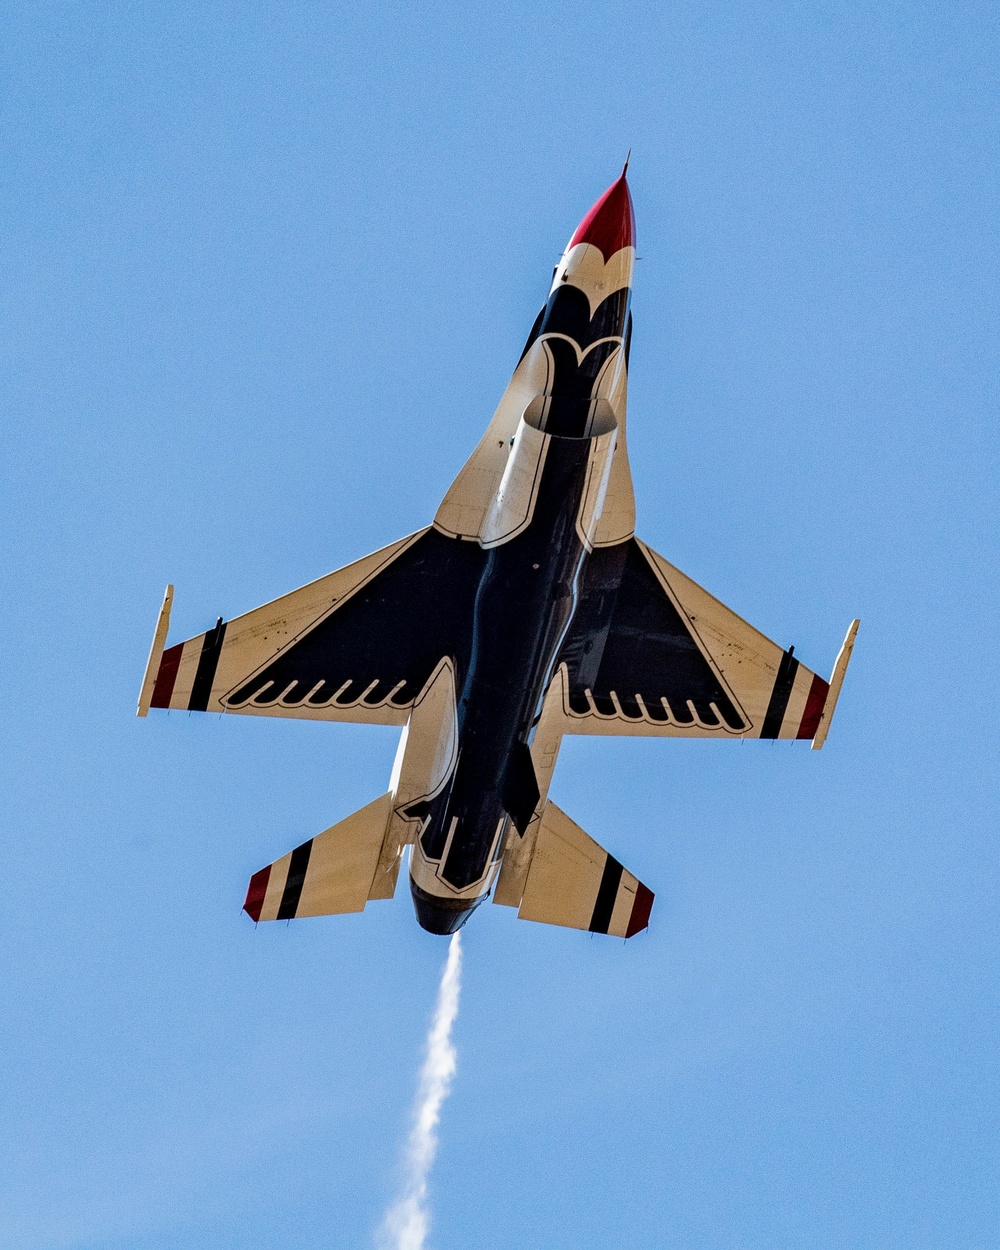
(523,608)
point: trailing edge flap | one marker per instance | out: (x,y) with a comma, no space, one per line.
(575,883)
(651,652)
(356,645)
(326,876)
(520,788)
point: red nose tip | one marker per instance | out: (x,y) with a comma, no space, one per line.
(610,224)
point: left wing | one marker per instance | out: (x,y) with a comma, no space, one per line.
(356,645)
(651,652)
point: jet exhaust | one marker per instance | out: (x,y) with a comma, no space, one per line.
(407,1221)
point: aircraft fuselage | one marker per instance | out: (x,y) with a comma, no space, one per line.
(526,596)
(522,610)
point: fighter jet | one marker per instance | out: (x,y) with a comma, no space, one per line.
(527,610)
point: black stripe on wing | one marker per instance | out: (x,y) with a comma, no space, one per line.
(631,656)
(381,643)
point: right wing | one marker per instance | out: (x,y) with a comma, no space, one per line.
(651,652)
(356,645)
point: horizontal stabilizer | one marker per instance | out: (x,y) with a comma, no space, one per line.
(327,876)
(575,883)
(836,681)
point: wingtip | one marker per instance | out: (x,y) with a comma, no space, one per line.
(836,683)
(147,689)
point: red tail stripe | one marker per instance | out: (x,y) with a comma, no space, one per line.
(255,894)
(641,908)
(164,688)
(815,704)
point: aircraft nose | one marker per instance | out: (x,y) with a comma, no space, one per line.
(610,224)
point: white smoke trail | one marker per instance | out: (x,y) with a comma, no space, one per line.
(407,1221)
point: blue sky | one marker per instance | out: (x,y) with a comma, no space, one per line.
(267,268)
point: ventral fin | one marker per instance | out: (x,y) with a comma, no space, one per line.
(520,790)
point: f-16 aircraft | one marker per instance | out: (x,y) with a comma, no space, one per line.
(526,611)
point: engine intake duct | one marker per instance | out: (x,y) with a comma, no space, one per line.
(570,416)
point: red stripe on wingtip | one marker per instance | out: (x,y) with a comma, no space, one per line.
(610,224)
(815,704)
(164,688)
(641,908)
(255,893)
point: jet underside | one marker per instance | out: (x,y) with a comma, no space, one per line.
(528,610)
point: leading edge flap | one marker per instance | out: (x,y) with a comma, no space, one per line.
(575,883)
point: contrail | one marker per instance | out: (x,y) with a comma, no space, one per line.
(407,1221)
